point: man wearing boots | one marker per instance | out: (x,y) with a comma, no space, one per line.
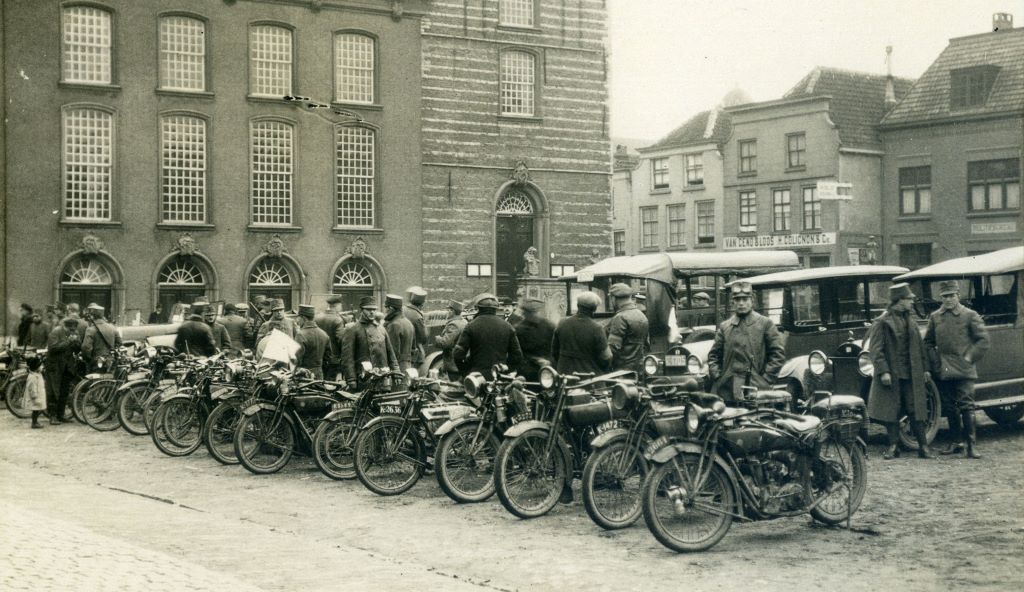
(956,338)
(313,341)
(901,373)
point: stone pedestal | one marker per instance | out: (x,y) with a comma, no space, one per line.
(551,291)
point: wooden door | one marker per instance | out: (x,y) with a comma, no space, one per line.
(514,237)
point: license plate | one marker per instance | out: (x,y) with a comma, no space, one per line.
(675,360)
(341,405)
(608,425)
(390,409)
(656,445)
(138,375)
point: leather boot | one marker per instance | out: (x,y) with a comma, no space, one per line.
(923,451)
(956,433)
(892,433)
(970,433)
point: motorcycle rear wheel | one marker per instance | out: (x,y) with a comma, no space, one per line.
(464,463)
(612,485)
(99,406)
(129,409)
(78,396)
(681,527)
(219,431)
(264,441)
(177,429)
(333,449)
(933,403)
(15,398)
(845,499)
(388,461)
(528,482)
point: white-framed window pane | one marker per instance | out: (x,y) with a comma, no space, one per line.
(977,197)
(270,61)
(649,227)
(619,242)
(87,45)
(659,171)
(183,160)
(1012,195)
(516,13)
(272,169)
(88,159)
(812,209)
(748,211)
(908,203)
(353,68)
(705,222)
(695,169)
(925,196)
(354,172)
(182,53)
(781,209)
(677,225)
(517,83)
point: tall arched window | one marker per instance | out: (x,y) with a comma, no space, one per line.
(85,280)
(180,281)
(353,280)
(270,278)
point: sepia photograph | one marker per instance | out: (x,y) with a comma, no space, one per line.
(511,295)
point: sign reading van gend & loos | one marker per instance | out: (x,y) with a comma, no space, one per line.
(772,241)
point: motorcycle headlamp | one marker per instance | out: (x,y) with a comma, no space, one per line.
(694,365)
(474,384)
(694,413)
(651,365)
(412,373)
(548,377)
(718,407)
(150,352)
(624,395)
(817,362)
(366,365)
(865,366)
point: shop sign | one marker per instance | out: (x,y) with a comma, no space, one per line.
(831,190)
(776,241)
(993,227)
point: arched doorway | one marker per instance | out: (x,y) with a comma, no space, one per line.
(355,278)
(516,229)
(86,279)
(180,280)
(271,278)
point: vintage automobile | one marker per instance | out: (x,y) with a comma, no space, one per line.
(991,285)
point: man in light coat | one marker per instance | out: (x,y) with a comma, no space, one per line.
(956,338)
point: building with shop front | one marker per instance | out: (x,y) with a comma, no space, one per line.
(804,172)
(953,152)
(150,156)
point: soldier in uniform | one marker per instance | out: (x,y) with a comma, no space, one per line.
(579,343)
(100,337)
(901,372)
(748,348)
(535,334)
(313,342)
(221,339)
(366,341)
(194,336)
(449,336)
(333,325)
(627,331)
(956,338)
(487,340)
(277,321)
(236,325)
(414,312)
(61,346)
(73,312)
(400,330)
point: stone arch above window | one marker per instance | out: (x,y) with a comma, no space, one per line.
(515,202)
(270,273)
(86,271)
(351,274)
(181,272)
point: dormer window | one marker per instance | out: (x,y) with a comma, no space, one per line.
(970,87)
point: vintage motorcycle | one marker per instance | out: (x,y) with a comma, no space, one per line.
(713,464)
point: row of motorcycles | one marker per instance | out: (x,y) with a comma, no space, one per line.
(639,444)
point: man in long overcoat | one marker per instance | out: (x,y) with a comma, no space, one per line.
(61,366)
(363,341)
(400,331)
(194,336)
(627,331)
(333,325)
(313,342)
(748,348)
(535,334)
(900,372)
(579,343)
(236,325)
(449,336)
(414,312)
(487,340)
(956,338)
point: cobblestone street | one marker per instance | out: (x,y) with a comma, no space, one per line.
(84,510)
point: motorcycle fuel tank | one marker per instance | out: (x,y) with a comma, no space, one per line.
(750,440)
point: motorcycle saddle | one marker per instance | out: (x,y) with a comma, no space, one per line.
(799,426)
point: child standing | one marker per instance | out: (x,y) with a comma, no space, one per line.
(35,390)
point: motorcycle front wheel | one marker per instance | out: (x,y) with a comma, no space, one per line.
(840,475)
(264,441)
(527,480)
(332,448)
(99,406)
(464,463)
(129,409)
(15,398)
(612,484)
(389,457)
(78,397)
(681,525)
(220,431)
(177,429)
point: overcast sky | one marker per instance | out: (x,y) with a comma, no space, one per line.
(671,59)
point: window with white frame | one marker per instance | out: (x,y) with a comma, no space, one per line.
(88,146)
(694,169)
(619,243)
(705,222)
(516,13)
(677,225)
(796,150)
(183,169)
(355,166)
(748,211)
(87,45)
(182,53)
(915,190)
(270,186)
(270,61)
(812,209)
(649,227)
(780,209)
(748,156)
(994,184)
(354,68)
(659,172)
(518,79)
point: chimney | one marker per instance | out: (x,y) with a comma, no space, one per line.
(890,89)
(1002,21)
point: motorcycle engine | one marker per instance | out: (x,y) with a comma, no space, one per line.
(777,482)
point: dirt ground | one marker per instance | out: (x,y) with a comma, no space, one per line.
(924,525)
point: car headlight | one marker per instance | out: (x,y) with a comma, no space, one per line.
(693,415)
(548,376)
(817,362)
(651,365)
(474,384)
(694,365)
(864,365)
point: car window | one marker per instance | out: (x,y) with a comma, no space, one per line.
(770,303)
(806,305)
(878,298)
(850,301)
(998,304)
